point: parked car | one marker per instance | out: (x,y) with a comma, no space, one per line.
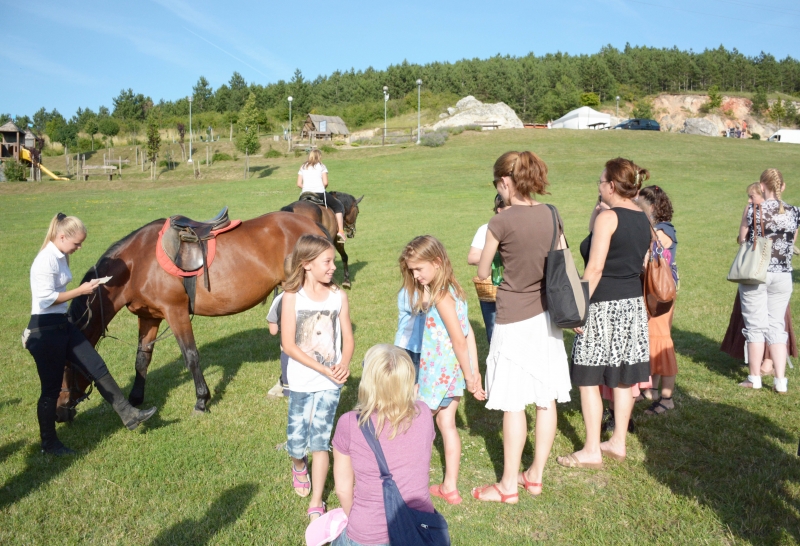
(786,135)
(638,124)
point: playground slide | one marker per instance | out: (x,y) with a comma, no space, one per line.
(26,155)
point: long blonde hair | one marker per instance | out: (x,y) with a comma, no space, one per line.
(427,248)
(69,226)
(387,389)
(307,249)
(772,179)
(314,157)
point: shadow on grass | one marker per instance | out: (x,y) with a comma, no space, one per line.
(705,351)
(10,402)
(9,449)
(91,427)
(354,267)
(222,513)
(264,170)
(733,462)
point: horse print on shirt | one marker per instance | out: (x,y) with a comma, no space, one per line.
(316,335)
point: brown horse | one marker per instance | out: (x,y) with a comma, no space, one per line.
(248,265)
(326,218)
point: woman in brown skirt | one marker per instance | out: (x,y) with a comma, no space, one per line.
(663,365)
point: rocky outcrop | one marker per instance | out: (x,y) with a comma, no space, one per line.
(700,126)
(672,112)
(470,111)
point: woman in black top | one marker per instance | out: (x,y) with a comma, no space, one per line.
(612,349)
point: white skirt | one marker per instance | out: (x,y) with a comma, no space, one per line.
(527,364)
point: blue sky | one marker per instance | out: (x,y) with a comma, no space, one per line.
(66,54)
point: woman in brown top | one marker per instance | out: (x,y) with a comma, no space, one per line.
(527,363)
(613,348)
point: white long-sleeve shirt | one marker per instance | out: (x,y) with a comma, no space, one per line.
(50,275)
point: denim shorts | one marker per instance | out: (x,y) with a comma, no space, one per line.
(344,540)
(310,421)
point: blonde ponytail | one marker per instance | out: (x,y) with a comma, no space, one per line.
(70,226)
(773,180)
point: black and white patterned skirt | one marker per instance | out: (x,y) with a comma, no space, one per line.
(614,348)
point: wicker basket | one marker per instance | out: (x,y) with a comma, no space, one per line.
(486,290)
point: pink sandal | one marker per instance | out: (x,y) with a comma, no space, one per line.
(297,484)
(318,510)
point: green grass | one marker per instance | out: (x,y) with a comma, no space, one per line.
(720,469)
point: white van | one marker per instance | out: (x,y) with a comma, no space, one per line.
(786,135)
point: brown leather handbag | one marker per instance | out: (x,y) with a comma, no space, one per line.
(659,285)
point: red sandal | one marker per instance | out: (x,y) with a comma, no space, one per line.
(528,484)
(477,493)
(451,498)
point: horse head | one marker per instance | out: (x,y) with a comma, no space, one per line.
(350,204)
(91,314)
(317,337)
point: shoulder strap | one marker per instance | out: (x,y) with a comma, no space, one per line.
(368,430)
(555,227)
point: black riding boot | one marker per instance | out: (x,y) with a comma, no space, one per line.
(46,414)
(131,417)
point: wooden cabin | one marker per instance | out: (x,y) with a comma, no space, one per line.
(319,127)
(12,138)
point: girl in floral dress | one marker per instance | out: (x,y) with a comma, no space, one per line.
(448,361)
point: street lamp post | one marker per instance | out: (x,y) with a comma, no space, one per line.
(290,124)
(385,101)
(190,130)
(617,115)
(419,104)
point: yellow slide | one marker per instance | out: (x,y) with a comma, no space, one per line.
(26,155)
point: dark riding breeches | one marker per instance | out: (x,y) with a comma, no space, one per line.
(334,204)
(54,341)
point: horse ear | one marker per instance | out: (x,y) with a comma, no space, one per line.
(359,199)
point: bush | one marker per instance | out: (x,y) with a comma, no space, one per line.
(755,136)
(473,127)
(643,109)
(328,149)
(355,144)
(434,140)
(272,153)
(220,156)
(590,99)
(339,143)
(15,171)
(455,130)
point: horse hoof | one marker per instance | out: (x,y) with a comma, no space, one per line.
(346,284)
(196,411)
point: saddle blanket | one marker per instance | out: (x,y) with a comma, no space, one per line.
(211,251)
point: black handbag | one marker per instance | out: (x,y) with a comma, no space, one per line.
(407,527)
(566,294)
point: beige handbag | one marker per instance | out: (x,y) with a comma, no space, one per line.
(750,264)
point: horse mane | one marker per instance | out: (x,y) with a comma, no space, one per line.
(77,307)
(346,199)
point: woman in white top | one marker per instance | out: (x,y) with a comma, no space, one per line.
(313,177)
(52,340)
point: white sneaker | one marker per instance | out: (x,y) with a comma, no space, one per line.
(781,386)
(276,391)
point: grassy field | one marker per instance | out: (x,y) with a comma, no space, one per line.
(720,469)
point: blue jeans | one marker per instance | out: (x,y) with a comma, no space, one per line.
(344,540)
(415,361)
(310,421)
(489,312)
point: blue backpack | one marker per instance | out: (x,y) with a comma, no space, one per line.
(407,527)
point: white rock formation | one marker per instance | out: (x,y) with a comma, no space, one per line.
(469,111)
(700,126)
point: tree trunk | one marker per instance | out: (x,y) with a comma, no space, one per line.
(230,139)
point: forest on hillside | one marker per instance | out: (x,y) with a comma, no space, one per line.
(538,88)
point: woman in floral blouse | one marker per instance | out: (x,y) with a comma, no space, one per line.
(764,305)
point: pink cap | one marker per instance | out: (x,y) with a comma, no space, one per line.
(326,527)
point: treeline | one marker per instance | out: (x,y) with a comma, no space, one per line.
(538,88)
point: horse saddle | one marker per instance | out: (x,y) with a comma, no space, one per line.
(312,197)
(184,242)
